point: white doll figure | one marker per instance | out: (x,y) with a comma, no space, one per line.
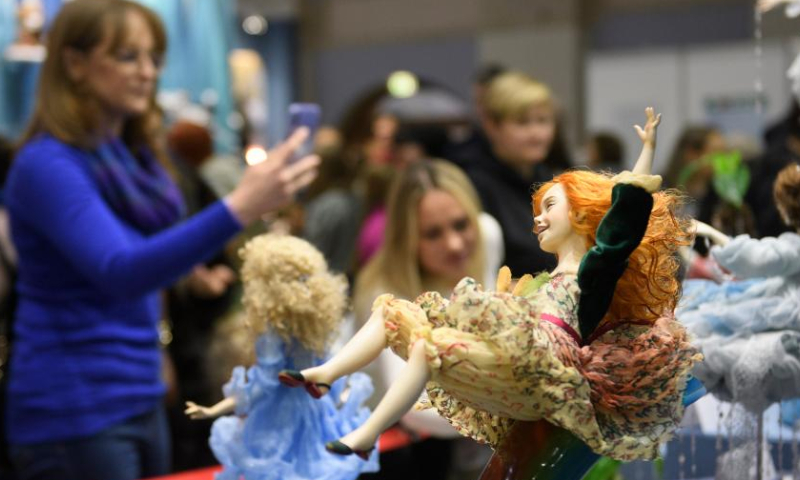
(591,346)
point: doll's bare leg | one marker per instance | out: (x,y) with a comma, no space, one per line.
(364,347)
(402,395)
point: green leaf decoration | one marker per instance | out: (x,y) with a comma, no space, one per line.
(604,469)
(731,177)
(534,284)
(658,464)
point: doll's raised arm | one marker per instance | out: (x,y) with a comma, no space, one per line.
(706,230)
(792,6)
(644,164)
(197,412)
(619,233)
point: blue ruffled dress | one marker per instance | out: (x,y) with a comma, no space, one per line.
(749,330)
(766,298)
(279,433)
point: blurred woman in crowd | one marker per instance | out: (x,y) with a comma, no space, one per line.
(605,152)
(333,211)
(435,235)
(523,148)
(686,168)
(95,220)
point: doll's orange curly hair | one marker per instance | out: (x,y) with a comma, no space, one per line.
(650,287)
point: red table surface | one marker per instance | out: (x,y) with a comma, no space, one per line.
(389,440)
(202,474)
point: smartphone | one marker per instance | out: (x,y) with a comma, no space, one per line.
(304,115)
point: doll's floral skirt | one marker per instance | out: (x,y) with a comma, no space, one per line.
(493,361)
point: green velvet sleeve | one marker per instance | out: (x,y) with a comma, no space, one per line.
(618,235)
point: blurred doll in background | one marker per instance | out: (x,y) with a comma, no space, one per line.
(293,306)
(748,327)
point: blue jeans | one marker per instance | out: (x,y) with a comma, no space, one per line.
(136,448)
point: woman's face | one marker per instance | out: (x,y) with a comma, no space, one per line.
(715,143)
(447,237)
(122,80)
(525,140)
(379,149)
(552,226)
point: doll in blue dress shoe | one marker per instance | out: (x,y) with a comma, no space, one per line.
(292,306)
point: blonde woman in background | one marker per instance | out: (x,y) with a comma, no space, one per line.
(435,235)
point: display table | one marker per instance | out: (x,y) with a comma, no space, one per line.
(202,474)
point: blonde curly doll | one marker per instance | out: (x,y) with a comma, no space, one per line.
(292,306)
(289,291)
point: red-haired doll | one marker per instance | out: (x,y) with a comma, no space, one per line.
(591,347)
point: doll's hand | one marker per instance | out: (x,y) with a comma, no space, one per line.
(706,230)
(197,412)
(767,5)
(648,133)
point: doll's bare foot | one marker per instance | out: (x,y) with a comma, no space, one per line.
(307,379)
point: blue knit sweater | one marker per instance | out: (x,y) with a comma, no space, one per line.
(86,352)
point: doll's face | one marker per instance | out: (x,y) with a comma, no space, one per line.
(447,236)
(552,226)
(525,140)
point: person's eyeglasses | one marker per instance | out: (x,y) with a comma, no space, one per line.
(131,56)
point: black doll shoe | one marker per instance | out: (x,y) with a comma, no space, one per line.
(293,378)
(339,448)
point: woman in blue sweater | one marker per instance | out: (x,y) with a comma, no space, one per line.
(95,219)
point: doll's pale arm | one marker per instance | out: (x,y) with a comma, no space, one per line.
(644,164)
(620,232)
(705,230)
(792,6)
(419,421)
(197,412)
(767,5)
(766,257)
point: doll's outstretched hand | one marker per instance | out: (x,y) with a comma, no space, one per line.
(197,412)
(767,5)
(706,230)
(648,133)
(644,164)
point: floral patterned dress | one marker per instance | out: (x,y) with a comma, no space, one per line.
(496,357)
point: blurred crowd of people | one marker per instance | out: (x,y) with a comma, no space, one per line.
(397,206)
